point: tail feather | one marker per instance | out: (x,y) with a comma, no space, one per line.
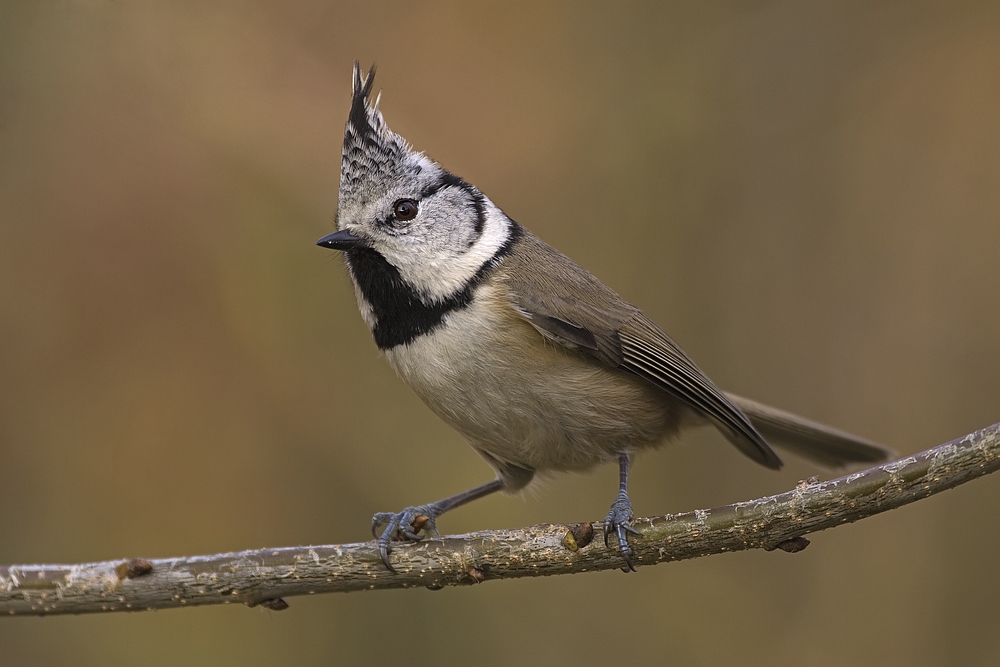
(825,445)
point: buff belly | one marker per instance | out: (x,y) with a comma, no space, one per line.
(525,401)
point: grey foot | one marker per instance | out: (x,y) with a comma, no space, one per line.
(403,527)
(619,523)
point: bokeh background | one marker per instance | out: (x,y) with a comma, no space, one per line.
(805,195)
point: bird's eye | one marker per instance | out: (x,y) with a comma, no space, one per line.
(405,209)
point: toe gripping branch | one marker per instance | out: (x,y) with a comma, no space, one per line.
(406,526)
(619,519)
(403,526)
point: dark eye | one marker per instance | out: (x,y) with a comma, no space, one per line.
(405,209)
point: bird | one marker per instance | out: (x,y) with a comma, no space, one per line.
(537,363)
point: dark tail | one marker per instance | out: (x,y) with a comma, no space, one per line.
(825,445)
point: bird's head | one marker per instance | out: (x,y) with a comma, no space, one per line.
(435,229)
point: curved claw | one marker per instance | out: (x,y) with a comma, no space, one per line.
(618,523)
(624,549)
(383,551)
(401,527)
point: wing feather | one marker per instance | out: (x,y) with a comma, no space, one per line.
(658,359)
(568,305)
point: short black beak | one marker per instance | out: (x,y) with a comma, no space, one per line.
(342,240)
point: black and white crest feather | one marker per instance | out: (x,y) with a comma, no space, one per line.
(373,154)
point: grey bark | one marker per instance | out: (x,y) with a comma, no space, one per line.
(267,576)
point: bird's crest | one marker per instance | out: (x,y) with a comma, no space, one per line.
(373,153)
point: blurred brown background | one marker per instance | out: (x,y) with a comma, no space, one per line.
(803,194)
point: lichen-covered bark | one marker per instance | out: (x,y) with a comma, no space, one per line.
(266,576)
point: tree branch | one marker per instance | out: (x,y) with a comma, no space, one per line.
(266,576)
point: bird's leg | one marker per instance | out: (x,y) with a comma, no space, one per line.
(404,526)
(619,519)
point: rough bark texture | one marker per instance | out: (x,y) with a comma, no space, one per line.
(266,576)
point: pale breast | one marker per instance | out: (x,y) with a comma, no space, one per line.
(524,400)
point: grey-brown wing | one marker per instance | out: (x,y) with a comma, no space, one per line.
(566,304)
(649,353)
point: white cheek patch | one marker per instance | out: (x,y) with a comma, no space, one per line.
(445,270)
